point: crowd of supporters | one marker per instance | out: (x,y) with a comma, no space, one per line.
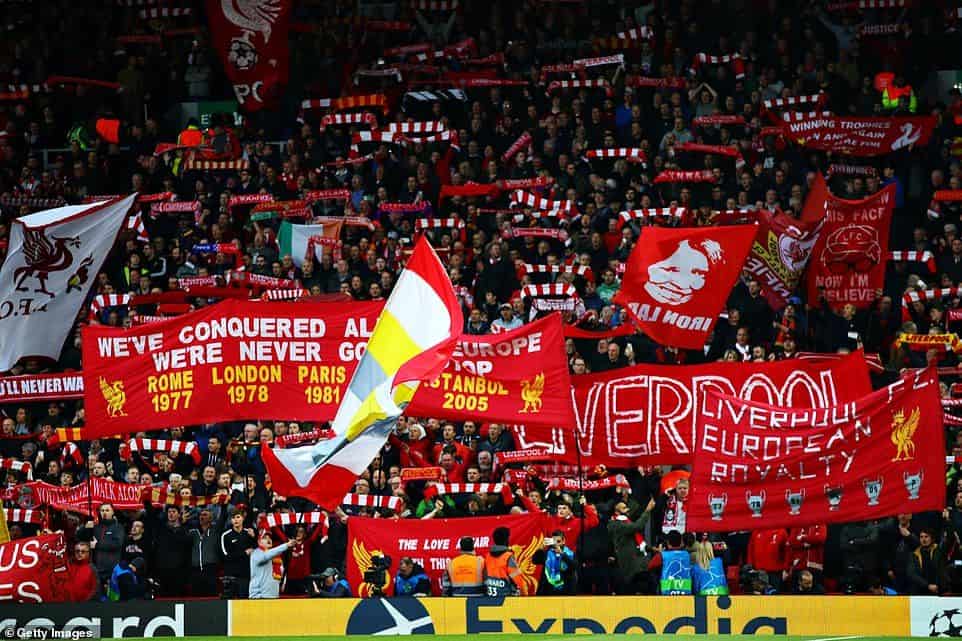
(601,542)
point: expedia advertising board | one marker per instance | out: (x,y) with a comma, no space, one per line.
(780,615)
(141,619)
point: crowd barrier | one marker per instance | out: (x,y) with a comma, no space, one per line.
(778,615)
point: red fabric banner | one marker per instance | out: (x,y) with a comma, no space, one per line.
(758,465)
(517,375)
(644,415)
(35,570)
(848,260)
(857,136)
(78,499)
(235,360)
(677,280)
(251,38)
(781,251)
(432,542)
(41,387)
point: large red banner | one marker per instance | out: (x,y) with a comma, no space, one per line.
(41,387)
(759,465)
(677,280)
(432,542)
(35,570)
(858,136)
(236,360)
(781,251)
(645,415)
(521,374)
(251,38)
(848,261)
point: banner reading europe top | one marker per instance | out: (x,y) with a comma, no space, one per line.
(848,261)
(251,38)
(761,465)
(235,360)
(518,375)
(645,415)
(53,260)
(432,542)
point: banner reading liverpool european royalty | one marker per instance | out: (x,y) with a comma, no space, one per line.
(235,360)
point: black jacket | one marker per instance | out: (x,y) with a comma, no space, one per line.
(234,546)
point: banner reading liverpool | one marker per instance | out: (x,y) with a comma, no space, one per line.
(762,465)
(235,360)
(518,375)
(848,261)
(677,280)
(645,415)
(251,38)
(781,251)
(430,543)
(35,570)
(53,260)
(858,136)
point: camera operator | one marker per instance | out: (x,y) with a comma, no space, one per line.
(411,579)
(501,574)
(332,586)
(377,575)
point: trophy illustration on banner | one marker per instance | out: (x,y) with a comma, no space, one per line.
(834,496)
(794,500)
(873,489)
(913,484)
(755,503)
(717,506)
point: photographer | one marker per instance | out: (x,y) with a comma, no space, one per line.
(501,574)
(560,566)
(411,579)
(332,586)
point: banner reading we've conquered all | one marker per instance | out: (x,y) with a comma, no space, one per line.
(518,375)
(235,360)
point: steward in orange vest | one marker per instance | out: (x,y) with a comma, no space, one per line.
(501,574)
(464,574)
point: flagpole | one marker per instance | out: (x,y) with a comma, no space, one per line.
(581,491)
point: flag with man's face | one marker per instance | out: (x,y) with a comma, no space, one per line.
(412,342)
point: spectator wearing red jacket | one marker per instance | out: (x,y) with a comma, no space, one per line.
(84,585)
(449,437)
(806,550)
(415,449)
(566,521)
(768,551)
(299,555)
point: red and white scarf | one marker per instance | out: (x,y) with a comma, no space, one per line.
(597,83)
(104,301)
(524,140)
(327,194)
(600,61)
(698,176)
(248,199)
(17,466)
(188,448)
(16,515)
(549,289)
(287,440)
(914,257)
(371,500)
(135,223)
(588,485)
(735,60)
(842,169)
(359,118)
(521,197)
(634,154)
(280,519)
(580,270)
(718,119)
(286,294)
(817,99)
(417,128)
(672,214)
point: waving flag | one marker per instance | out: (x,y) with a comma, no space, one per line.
(53,260)
(307,242)
(412,342)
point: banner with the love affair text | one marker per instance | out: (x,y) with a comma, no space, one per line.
(760,465)
(645,415)
(236,360)
(431,543)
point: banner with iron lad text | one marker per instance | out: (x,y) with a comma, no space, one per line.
(236,360)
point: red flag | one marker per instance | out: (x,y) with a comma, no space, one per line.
(857,136)
(251,38)
(781,251)
(677,280)
(35,570)
(758,465)
(848,261)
